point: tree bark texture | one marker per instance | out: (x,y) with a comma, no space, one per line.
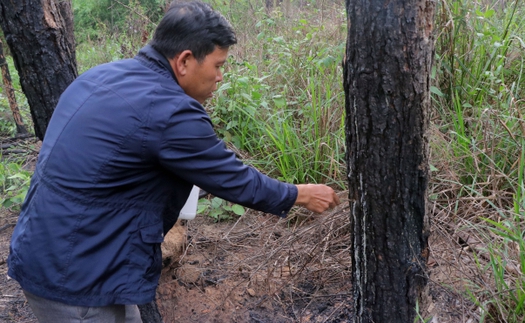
(387,68)
(39,38)
(10,93)
(66,11)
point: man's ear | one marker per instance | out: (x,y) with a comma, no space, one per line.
(179,63)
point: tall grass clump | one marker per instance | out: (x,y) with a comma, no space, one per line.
(282,99)
(478,97)
(480,89)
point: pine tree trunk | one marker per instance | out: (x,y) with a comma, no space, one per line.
(66,11)
(40,41)
(387,69)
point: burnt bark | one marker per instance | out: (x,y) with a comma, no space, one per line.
(10,94)
(39,38)
(387,69)
(66,11)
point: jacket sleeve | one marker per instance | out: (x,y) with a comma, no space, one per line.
(190,148)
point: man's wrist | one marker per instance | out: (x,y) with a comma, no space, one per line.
(302,194)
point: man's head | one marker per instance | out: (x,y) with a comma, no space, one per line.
(193,26)
(195,39)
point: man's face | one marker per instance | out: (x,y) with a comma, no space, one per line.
(200,78)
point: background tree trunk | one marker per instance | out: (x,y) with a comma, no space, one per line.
(40,41)
(387,69)
(10,94)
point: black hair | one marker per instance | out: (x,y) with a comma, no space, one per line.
(192,26)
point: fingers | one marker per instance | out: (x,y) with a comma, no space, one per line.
(317,197)
(335,200)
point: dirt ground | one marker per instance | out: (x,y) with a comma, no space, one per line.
(260,268)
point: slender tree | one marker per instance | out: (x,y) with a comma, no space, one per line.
(387,69)
(40,36)
(10,94)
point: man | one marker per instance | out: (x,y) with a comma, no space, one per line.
(126,139)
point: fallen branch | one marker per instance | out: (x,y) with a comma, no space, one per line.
(7,226)
(13,151)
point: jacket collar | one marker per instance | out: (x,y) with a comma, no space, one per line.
(156,60)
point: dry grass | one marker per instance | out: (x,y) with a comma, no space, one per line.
(305,260)
(300,265)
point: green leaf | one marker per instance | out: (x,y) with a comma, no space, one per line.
(243,81)
(7,203)
(216,202)
(247,97)
(279,101)
(436,91)
(225,86)
(201,208)
(489,13)
(215,213)
(238,209)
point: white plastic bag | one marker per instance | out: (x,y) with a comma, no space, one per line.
(189,210)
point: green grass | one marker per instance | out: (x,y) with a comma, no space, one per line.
(478,106)
(283,101)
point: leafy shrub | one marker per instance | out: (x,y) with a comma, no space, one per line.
(219,209)
(15,183)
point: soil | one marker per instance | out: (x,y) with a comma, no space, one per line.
(260,268)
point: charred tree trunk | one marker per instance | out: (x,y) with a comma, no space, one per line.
(67,14)
(40,41)
(387,66)
(10,94)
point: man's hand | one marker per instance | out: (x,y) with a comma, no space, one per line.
(316,197)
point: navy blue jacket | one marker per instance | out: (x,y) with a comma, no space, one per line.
(123,143)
